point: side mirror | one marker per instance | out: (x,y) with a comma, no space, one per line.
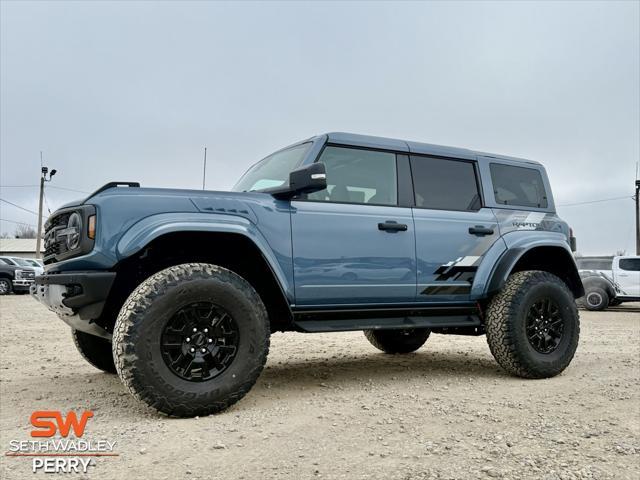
(308,179)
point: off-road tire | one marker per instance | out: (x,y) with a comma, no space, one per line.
(136,339)
(95,350)
(398,341)
(7,286)
(595,299)
(506,325)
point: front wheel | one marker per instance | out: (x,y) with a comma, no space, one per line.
(191,339)
(5,286)
(533,325)
(398,341)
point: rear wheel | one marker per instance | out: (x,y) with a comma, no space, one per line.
(191,339)
(398,341)
(95,350)
(596,299)
(533,325)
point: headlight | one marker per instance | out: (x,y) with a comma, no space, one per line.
(18,274)
(74,228)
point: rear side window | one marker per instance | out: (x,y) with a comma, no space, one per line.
(631,264)
(442,184)
(519,186)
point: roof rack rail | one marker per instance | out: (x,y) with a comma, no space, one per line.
(109,185)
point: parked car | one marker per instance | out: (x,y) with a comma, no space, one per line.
(35,263)
(14,278)
(25,262)
(604,288)
(178,290)
(601,264)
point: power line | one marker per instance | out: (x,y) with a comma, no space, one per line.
(69,189)
(595,201)
(49,186)
(17,223)
(17,186)
(18,206)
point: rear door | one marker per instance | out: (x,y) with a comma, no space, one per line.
(352,242)
(628,275)
(453,229)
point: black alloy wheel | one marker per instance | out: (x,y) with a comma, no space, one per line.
(199,341)
(545,326)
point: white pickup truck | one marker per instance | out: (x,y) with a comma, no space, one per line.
(612,287)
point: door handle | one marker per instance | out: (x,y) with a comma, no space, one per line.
(480,230)
(391,226)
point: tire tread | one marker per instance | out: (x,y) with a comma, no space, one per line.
(128,322)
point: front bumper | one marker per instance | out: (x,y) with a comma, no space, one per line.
(78,298)
(22,285)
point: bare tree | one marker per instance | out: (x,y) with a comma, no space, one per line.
(25,231)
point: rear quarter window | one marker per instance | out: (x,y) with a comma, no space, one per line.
(518,186)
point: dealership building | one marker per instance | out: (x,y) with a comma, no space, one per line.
(18,247)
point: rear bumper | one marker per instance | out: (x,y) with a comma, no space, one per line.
(76,297)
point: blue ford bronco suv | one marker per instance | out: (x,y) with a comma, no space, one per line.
(178,291)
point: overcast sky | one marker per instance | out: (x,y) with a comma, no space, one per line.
(134,91)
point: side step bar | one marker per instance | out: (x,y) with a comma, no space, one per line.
(459,317)
(315,326)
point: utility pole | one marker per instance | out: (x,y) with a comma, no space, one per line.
(637,217)
(43,178)
(204,171)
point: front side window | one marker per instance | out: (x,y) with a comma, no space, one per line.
(272,171)
(444,184)
(631,264)
(519,186)
(358,176)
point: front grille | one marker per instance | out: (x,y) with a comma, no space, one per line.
(52,246)
(28,275)
(55,239)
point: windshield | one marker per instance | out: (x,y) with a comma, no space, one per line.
(21,262)
(272,171)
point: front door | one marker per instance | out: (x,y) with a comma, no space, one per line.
(453,231)
(352,244)
(628,275)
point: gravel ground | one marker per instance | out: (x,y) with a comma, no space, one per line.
(331,406)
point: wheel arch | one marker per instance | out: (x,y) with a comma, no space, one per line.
(597,281)
(233,249)
(552,258)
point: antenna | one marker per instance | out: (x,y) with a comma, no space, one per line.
(204,170)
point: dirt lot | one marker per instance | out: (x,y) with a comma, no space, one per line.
(331,406)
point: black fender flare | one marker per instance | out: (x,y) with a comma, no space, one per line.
(508,263)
